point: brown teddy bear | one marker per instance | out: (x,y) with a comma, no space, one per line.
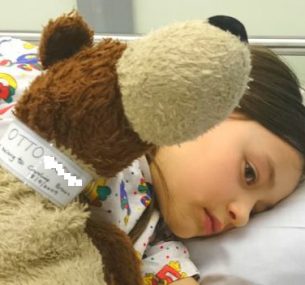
(96,103)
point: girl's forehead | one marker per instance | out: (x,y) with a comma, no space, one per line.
(254,139)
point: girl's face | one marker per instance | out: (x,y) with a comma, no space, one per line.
(215,183)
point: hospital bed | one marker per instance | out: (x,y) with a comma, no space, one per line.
(293,46)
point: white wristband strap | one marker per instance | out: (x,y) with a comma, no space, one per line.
(40,165)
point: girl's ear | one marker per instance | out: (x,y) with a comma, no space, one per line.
(64,37)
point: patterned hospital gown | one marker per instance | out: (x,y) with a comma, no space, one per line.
(19,65)
(121,199)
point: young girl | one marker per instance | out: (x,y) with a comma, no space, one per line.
(245,165)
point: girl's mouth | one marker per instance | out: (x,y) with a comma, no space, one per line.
(211,224)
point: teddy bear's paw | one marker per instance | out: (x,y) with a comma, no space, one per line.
(181,80)
(64,37)
(121,263)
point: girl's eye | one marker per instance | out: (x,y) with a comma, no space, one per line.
(250,174)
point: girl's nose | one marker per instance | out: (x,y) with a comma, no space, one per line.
(239,213)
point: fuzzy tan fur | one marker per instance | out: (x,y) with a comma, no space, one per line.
(77,104)
(41,244)
(174,67)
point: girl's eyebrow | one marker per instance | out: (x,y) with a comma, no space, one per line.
(268,206)
(271,180)
(271,170)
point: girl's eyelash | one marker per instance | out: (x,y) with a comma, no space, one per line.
(250,173)
(253,212)
(260,209)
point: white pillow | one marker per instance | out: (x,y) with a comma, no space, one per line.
(270,250)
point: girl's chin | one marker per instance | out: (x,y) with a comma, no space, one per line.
(183,234)
(180,229)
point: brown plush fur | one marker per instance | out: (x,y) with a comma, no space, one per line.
(121,263)
(77,104)
(61,39)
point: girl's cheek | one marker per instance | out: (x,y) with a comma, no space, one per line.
(227,187)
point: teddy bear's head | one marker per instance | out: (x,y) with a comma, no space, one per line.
(109,102)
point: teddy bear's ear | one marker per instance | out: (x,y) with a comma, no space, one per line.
(230,24)
(64,37)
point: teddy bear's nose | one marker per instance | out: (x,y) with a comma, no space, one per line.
(230,24)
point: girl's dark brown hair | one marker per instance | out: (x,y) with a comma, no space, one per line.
(273,99)
(144,219)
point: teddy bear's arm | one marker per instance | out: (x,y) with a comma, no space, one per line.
(121,264)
